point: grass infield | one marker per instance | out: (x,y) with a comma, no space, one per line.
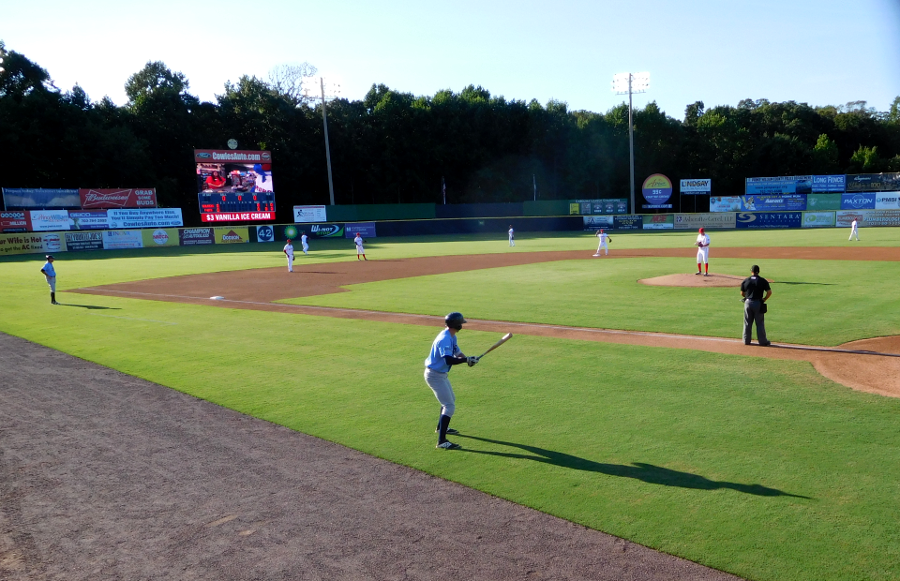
(758,467)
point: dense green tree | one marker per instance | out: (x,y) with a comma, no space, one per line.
(393,146)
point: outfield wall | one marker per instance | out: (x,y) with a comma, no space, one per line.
(79,240)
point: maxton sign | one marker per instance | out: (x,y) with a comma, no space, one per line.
(117,198)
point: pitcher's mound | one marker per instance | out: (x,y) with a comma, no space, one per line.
(692,280)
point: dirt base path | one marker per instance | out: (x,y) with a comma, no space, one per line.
(872,365)
(105,477)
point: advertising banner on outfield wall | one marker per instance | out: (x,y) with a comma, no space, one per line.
(119,239)
(659,222)
(818,219)
(592,223)
(195,236)
(50,220)
(89,220)
(40,199)
(869,218)
(768,220)
(236,235)
(836,183)
(725,204)
(365,229)
(887,201)
(160,237)
(29,243)
(103,199)
(629,222)
(858,201)
(84,241)
(773,185)
(326,230)
(873,182)
(146,218)
(773,203)
(816,202)
(15,222)
(696,221)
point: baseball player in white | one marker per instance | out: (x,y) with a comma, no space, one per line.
(50,274)
(303,239)
(702,252)
(289,252)
(604,238)
(854,230)
(444,354)
(360,251)
(512,236)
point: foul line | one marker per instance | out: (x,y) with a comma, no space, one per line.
(507,323)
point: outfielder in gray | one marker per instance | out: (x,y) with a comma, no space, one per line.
(50,274)
(444,354)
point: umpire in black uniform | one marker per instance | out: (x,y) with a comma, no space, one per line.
(752,289)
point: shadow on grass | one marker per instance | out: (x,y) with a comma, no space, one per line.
(89,306)
(638,470)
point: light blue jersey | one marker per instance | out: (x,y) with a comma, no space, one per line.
(48,269)
(444,344)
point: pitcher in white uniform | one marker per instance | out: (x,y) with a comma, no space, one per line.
(702,252)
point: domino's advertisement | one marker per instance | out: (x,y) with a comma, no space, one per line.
(773,203)
(767,220)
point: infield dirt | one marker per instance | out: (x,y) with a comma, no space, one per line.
(871,365)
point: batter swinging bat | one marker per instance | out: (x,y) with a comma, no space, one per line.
(502,340)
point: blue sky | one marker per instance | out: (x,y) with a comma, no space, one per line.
(716,51)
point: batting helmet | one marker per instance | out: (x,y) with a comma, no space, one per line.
(455,320)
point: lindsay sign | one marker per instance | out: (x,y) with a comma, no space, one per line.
(111,199)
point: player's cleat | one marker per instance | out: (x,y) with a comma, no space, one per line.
(448,445)
(697,273)
(450,431)
(766,344)
(746,342)
(54,303)
(596,255)
(707,274)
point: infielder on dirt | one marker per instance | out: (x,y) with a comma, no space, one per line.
(444,354)
(702,245)
(289,252)
(604,238)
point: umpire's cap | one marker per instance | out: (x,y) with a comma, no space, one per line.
(455,320)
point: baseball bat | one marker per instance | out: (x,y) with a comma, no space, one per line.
(502,340)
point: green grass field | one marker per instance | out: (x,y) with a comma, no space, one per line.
(759,467)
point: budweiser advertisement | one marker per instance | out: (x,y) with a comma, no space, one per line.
(236,216)
(234,183)
(104,199)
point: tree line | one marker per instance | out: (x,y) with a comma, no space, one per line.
(396,147)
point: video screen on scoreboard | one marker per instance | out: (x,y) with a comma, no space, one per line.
(234,181)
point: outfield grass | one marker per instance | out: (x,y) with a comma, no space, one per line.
(762,468)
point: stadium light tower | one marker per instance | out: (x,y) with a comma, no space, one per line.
(631,83)
(334,90)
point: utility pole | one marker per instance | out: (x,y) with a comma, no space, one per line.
(631,83)
(327,148)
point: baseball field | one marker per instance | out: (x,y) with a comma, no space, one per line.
(625,407)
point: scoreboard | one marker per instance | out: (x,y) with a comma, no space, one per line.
(227,202)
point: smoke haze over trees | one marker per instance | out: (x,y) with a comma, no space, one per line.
(395,147)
